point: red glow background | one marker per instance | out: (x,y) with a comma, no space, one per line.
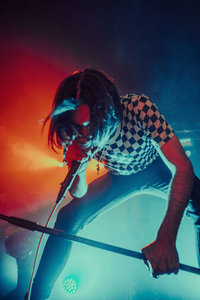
(30,174)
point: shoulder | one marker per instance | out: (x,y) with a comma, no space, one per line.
(130,98)
(135,98)
(129,101)
(136,102)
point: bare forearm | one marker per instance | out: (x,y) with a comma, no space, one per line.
(162,253)
(179,195)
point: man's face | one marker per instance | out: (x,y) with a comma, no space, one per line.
(80,120)
(81,116)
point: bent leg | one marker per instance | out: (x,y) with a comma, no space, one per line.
(103,194)
(194,212)
(56,252)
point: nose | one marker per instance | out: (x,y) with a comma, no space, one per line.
(84,131)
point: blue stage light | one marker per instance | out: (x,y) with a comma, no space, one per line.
(70,286)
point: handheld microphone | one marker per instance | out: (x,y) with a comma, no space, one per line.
(67,183)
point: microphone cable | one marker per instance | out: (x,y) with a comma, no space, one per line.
(37,252)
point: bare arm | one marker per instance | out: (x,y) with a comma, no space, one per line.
(162,252)
(180,190)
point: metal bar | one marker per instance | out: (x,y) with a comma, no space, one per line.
(111,248)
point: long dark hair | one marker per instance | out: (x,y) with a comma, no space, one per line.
(94,88)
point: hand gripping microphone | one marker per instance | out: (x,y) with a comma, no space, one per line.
(66,184)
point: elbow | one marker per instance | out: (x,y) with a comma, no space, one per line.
(79,187)
(82,192)
(78,192)
(185,166)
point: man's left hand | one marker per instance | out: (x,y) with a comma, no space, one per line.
(162,256)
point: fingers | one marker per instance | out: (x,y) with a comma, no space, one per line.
(173,265)
(76,153)
(150,269)
(157,270)
(176,270)
(161,271)
(161,258)
(154,275)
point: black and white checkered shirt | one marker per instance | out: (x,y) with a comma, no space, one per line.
(134,145)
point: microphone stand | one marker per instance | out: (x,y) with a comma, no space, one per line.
(36,227)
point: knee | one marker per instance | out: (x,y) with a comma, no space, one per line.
(68,217)
(194,203)
(193,211)
(65,212)
(195,216)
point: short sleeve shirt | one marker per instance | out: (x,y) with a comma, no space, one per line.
(141,132)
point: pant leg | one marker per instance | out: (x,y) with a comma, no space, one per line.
(193,211)
(103,193)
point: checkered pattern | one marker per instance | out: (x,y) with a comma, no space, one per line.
(133,147)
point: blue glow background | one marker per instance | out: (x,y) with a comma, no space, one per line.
(147,46)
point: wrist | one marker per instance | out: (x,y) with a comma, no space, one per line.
(166,238)
(167,233)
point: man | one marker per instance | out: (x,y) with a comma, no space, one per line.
(140,151)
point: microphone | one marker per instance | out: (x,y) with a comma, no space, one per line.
(66,184)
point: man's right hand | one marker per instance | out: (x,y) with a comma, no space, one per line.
(163,257)
(76,152)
